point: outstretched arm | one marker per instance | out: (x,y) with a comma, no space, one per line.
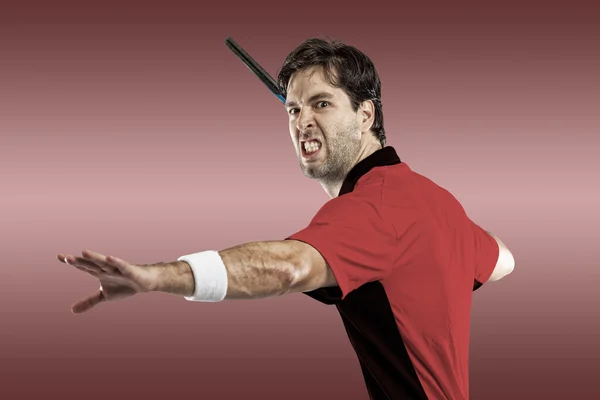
(254,270)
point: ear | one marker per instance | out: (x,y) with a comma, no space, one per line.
(366,114)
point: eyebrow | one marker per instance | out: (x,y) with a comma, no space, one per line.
(321,95)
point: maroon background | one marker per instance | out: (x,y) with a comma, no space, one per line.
(131,129)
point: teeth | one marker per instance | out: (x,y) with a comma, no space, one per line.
(311,147)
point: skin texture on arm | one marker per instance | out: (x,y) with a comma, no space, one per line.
(254,270)
(273,268)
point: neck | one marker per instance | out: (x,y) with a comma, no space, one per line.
(332,187)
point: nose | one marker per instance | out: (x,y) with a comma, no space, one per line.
(305,120)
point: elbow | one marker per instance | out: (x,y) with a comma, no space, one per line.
(303,274)
(298,276)
(293,270)
(307,269)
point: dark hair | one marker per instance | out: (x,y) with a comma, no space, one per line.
(345,67)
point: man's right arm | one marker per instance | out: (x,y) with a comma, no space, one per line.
(505,264)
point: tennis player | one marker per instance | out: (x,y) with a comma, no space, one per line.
(395,253)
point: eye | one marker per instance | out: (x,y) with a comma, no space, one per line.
(321,104)
(292,111)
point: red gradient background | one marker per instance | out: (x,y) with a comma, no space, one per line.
(129,128)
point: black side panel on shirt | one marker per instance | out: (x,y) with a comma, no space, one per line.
(371,327)
(369,321)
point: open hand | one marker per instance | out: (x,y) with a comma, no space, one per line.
(118,278)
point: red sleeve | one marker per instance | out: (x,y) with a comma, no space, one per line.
(355,240)
(486,253)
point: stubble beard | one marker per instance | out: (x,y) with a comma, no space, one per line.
(342,149)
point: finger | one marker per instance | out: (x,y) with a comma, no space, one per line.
(97,260)
(83,265)
(93,256)
(65,259)
(87,303)
(106,268)
(89,271)
(121,265)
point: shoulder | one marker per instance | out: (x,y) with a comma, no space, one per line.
(366,196)
(416,191)
(349,208)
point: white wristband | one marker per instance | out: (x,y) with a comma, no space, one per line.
(210,276)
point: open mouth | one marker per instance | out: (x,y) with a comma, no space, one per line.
(310,147)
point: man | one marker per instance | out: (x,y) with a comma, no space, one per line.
(395,253)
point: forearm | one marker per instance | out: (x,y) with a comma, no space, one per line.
(174,278)
(254,270)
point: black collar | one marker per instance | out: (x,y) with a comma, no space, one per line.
(380,158)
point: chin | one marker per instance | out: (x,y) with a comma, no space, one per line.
(313,171)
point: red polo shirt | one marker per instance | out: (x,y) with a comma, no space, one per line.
(405,255)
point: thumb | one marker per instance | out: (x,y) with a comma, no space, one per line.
(84,305)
